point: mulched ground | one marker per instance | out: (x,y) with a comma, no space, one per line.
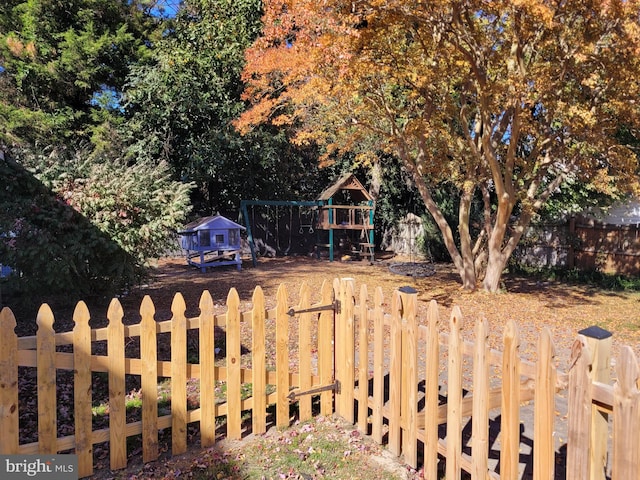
(532,304)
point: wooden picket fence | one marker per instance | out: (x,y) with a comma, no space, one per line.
(399,377)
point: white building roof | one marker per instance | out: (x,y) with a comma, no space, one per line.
(216,222)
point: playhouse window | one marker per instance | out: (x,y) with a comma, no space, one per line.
(204,239)
(219,239)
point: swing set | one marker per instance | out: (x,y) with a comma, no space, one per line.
(270,224)
(340,213)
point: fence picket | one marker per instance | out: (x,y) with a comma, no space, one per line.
(117,408)
(178,375)
(599,342)
(347,316)
(326,352)
(431,392)
(363,361)
(282,358)
(510,418)
(580,411)
(207,371)
(149,380)
(338,348)
(258,368)
(82,394)
(234,376)
(544,409)
(480,426)
(409,403)
(626,423)
(46,348)
(378,365)
(454,396)
(9,413)
(395,375)
(304,352)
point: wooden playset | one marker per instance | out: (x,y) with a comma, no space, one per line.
(341,218)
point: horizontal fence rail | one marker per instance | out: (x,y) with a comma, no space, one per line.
(393,367)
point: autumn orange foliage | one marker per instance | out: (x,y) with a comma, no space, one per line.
(508,99)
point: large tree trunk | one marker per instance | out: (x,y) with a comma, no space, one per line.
(468,272)
(495,266)
(463,263)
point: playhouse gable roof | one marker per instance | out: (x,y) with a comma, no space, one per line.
(347,182)
(216,222)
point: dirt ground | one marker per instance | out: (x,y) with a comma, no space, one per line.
(564,309)
(533,305)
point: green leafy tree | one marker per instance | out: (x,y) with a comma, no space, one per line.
(77,226)
(182,103)
(76,216)
(58,59)
(507,100)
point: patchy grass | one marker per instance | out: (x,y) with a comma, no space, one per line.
(321,448)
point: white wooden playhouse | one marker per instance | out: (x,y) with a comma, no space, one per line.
(212,242)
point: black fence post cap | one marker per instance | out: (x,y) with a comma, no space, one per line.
(407,289)
(595,332)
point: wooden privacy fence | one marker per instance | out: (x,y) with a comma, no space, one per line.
(583,244)
(400,375)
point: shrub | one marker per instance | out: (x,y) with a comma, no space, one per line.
(73,225)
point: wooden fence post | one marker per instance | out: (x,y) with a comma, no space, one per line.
(579,408)
(46,348)
(347,357)
(395,376)
(480,425)
(282,358)
(454,397)
(431,392)
(258,362)
(178,375)
(571,255)
(626,419)
(378,365)
(326,349)
(82,389)
(510,420)
(338,342)
(304,352)
(409,400)
(234,375)
(599,341)
(363,362)
(9,421)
